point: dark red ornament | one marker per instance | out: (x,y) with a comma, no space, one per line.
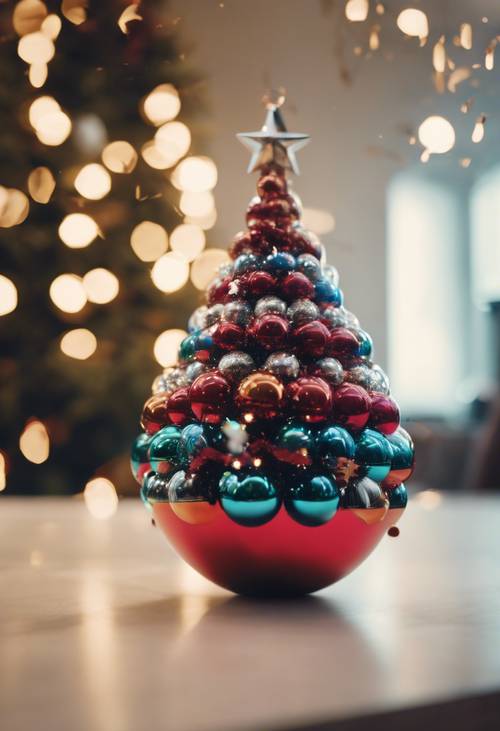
(257,284)
(305,242)
(229,336)
(342,343)
(297,286)
(209,395)
(351,406)
(241,244)
(310,398)
(384,413)
(269,331)
(155,414)
(272,185)
(311,339)
(179,407)
(280,210)
(219,291)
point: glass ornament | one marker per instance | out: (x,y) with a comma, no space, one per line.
(239,312)
(179,407)
(313,501)
(279,262)
(164,453)
(139,457)
(311,339)
(269,332)
(283,365)
(351,406)
(270,305)
(248,499)
(302,311)
(330,369)
(309,265)
(373,455)
(335,447)
(296,286)
(236,365)
(402,459)
(384,413)
(259,395)
(155,414)
(310,398)
(209,395)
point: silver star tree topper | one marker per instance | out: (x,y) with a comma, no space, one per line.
(273,145)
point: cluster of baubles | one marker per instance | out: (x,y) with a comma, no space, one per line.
(275,399)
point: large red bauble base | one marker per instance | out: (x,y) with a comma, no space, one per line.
(280,558)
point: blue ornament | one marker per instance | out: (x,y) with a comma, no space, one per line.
(398,498)
(365,347)
(281,261)
(310,266)
(314,500)
(203,346)
(333,444)
(195,369)
(328,292)
(192,441)
(198,319)
(373,454)
(164,453)
(187,348)
(294,436)
(139,455)
(248,499)
(402,450)
(246,263)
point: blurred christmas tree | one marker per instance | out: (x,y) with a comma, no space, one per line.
(91,167)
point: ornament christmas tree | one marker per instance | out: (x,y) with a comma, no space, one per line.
(272,455)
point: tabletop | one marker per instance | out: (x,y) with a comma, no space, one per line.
(104,628)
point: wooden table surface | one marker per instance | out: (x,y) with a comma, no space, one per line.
(103,628)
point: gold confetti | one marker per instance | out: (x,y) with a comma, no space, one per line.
(489,59)
(130,13)
(356,10)
(466,105)
(41,184)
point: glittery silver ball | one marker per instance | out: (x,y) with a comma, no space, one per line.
(159,385)
(236,365)
(283,365)
(225,270)
(268,305)
(195,369)
(214,314)
(331,370)
(380,381)
(310,266)
(302,311)
(351,319)
(361,375)
(331,274)
(238,312)
(334,316)
(198,319)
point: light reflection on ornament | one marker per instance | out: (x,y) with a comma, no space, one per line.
(167,345)
(78,230)
(356,10)
(41,184)
(436,134)
(101,286)
(28,16)
(79,343)
(196,204)
(93,181)
(67,293)
(173,140)
(119,157)
(100,498)
(170,272)
(8,295)
(195,175)
(149,241)
(318,221)
(203,269)
(478,131)
(413,22)
(188,241)
(34,442)
(35,48)
(162,104)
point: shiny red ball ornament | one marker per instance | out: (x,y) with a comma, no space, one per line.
(179,407)
(219,291)
(351,406)
(384,413)
(260,395)
(272,185)
(310,398)
(311,339)
(269,331)
(209,395)
(229,336)
(257,284)
(155,414)
(342,343)
(297,286)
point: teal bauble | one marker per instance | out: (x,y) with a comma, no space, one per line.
(314,500)
(402,450)
(164,452)
(139,457)
(187,348)
(193,440)
(373,455)
(294,437)
(334,443)
(249,499)
(398,498)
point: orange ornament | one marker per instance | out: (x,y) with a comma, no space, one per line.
(259,396)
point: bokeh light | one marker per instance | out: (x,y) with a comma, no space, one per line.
(36,48)
(28,16)
(170,272)
(14,207)
(173,140)
(318,221)
(3,472)
(100,498)
(195,174)
(162,104)
(40,107)
(413,22)
(356,10)
(74,11)
(68,293)
(166,346)
(34,442)
(204,222)
(54,128)
(204,268)
(156,157)
(101,286)
(79,343)
(149,241)
(188,241)
(8,295)
(93,181)
(119,157)
(41,184)
(197,204)
(478,131)
(436,134)
(78,230)
(51,26)
(38,74)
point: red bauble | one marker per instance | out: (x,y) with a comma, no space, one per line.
(305,242)
(241,244)
(219,291)
(209,395)
(311,339)
(351,406)
(310,398)
(257,284)
(179,407)
(271,185)
(269,331)
(384,413)
(155,414)
(297,286)
(229,336)
(342,344)
(259,396)
(281,210)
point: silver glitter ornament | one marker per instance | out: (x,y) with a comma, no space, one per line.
(214,314)
(236,365)
(195,369)
(331,274)
(270,305)
(334,316)
(330,369)
(310,266)
(302,311)
(380,380)
(283,365)
(198,319)
(238,312)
